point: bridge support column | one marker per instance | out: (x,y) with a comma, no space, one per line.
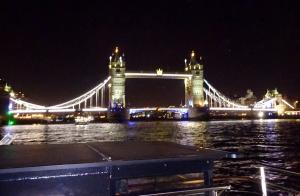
(194,94)
(117,105)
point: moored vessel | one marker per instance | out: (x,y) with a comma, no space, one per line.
(83,120)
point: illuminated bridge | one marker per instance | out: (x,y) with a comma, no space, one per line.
(199,94)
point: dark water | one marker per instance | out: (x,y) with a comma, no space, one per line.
(273,143)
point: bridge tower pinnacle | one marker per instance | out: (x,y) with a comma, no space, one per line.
(117,85)
(194,95)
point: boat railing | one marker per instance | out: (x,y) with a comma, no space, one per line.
(260,178)
(277,169)
(270,185)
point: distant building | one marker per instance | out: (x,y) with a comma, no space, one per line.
(272,94)
(280,105)
(248,99)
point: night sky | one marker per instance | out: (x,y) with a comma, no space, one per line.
(53,51)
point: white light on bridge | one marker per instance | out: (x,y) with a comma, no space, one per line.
(243,109)
(158,73)
(61,110)
(135,110)
(94,109)
(265,109)
(260,114)
(28,111)
(140,74)
(229,109)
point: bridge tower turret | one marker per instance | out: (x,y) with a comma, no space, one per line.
(117,69)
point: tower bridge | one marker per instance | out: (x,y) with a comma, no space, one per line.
(200,96)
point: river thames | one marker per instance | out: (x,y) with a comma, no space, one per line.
(274,143)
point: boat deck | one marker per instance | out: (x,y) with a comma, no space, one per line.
(97,167)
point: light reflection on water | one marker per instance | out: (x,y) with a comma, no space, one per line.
(271,142)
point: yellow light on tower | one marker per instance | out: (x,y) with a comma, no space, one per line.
(7,88)
(117,50)
(12,94)
(201,103)
(193,54)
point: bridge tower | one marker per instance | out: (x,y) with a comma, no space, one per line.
(117,104)
(194,94)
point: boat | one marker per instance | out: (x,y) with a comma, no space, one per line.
(83,120)
(104,168)
(111,168)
